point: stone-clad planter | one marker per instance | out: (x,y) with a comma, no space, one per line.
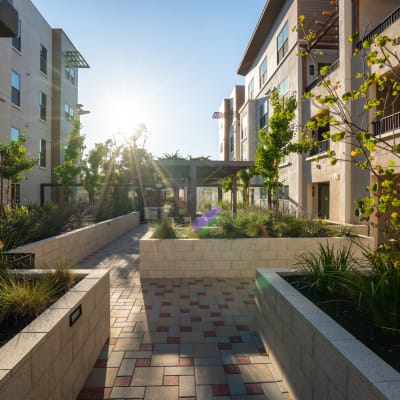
(80,243)
(50,358)
(313,354)
(224,258)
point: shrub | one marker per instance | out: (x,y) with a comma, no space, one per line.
(325,270)
(164,230)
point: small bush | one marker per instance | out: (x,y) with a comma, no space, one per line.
(325,270)
(164,230)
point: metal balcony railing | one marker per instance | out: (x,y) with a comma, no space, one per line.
(331,68)
(392,18)
(323,146)
(387,124)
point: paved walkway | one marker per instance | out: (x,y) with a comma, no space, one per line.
(177,338)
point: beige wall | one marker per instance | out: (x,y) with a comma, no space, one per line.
(50,359)
(195,258)
(76,245)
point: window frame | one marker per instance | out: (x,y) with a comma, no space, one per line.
(15,91)
(264,113)
(16,40)
(42,153)
(250,93)
(14,131)
(282,42)
(43,59)
(262,71)
(43,106)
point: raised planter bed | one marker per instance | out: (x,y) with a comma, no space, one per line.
(52,357)
(313,354)
(192,258)
(80,243)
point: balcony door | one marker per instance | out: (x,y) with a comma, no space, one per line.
(323,200)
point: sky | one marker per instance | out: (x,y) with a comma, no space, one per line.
(167,64)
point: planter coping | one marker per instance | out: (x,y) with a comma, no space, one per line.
(69,233)
(18,348)
(385,378)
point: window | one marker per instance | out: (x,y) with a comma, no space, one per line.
(283,87)
(16,41)
(221,147)
(263,72)
(70,74)
(264,114)
(283,192)
(14,134)
(43,106)
(282,42)
(43,59)
(42,153)
(231,144)
(15,89)
(250,89)
(69,112)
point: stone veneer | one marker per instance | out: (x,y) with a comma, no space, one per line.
(225,258)
(50,359)
(313,354)
(76,245)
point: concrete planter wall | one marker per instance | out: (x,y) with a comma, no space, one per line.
(314,355)
(50,359)
(190,258)
(78,244)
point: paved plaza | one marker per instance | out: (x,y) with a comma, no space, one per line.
(177,338)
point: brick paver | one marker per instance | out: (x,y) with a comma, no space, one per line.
(177,338)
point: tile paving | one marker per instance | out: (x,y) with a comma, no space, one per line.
(177,338)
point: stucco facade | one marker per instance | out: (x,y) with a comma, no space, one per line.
(37,81)
(313,185)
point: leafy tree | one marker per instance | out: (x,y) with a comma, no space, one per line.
(245,176)
(70,169)
(93,169)
(14,161)
(172,156)
(276,142)
(377,88)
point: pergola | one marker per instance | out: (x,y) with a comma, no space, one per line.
(202,172)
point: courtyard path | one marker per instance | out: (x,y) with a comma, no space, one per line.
(177,338)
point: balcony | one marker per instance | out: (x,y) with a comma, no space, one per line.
(390,123)
(391,19)
(323,146)
(331,68)
(8,20)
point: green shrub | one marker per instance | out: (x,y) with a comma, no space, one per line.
(327,270)
(377,290)
(164,230)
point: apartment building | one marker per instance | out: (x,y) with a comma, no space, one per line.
(38,94)
(312,185)
(229,125)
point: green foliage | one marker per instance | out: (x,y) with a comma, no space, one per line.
(70,169)
(14,161)
(377,92)
(24,297)
(324,270)
(274,142)
(93,169)
(164,230)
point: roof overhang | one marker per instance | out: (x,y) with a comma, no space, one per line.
(263,27)
(73,58)
(8,19)
(207,171)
